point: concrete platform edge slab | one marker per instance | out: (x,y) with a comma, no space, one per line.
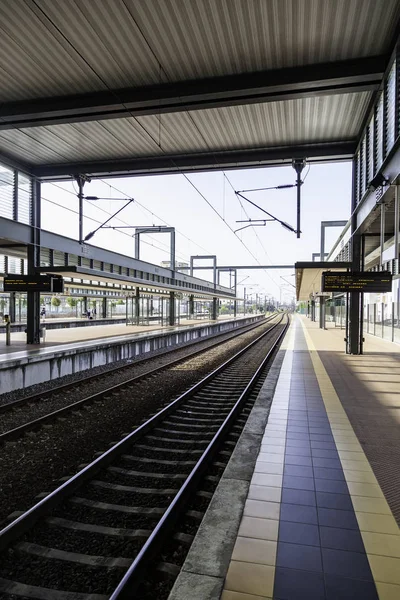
(209,556)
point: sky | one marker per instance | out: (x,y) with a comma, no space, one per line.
(204,210)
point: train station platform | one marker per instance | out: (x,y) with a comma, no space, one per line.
(320,518)
(317,517)
(67,351)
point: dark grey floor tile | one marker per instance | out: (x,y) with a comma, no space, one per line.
(343,519)
(329,463)
(298,436)
(299,513)
(299,556)
(332,486)
(299,497)
(325,453)
(324,473)
(298,471)
(336,501)
(349,589)
(299,533)
(341,539)
(303,461)
(316,437)
(296,451)
(323,445)
(296,429)
(298,483)
(346,564)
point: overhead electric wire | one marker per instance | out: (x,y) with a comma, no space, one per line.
(76,212)
(135,118)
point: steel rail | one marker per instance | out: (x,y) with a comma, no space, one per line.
(65,386)
(25,521)
(17,432)
(132,577)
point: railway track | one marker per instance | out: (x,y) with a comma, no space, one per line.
(94,537)
(55,403)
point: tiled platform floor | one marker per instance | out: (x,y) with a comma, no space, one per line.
(316,524)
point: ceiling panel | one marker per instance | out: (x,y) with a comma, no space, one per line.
(305,120)
(59,47)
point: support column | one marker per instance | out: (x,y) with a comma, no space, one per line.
(322,312)
(33,298)
(214,309)
(11,311)
(312,309)
(104,308)
(191,306)
(85,305)
(171,308)
(396,229)
(137,306)
(355,325)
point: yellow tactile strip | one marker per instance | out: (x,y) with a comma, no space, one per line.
(379,530)
(252,568)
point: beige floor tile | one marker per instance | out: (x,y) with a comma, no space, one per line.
(228,595)
(250,578)
(387,591)
(349,446)
(356,465)
(277,421)
(260,552)
(273,458)
(382,544)
(371,505)
(274,427)
(263,529)
(267,479)
(385,569)
(264,493)
(268,467)
(369,490)
(354,456)
(271,449)
(267,439)
(359,476)
(377,523)
(273,435)
(261,509)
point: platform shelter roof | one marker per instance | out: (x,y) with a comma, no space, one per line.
(114,87)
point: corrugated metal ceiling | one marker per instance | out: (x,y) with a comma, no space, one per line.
(306,120)
(57,47)
(63,47)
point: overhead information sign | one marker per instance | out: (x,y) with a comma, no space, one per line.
(33,283)
(363,281)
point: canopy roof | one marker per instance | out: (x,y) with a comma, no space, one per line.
(127,86)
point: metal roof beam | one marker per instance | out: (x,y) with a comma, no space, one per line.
(201,161)
(263,86)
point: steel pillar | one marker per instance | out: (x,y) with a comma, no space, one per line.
(172,310)
(355,324)
(322,312)
(396,228)
(312,310)
(104,308)
(137,306)
(33,298)
(11,310)
(191,306)
(214,309)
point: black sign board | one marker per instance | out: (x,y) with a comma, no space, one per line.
(363,281)
(33,283)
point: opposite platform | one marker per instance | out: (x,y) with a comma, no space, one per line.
(316,524)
